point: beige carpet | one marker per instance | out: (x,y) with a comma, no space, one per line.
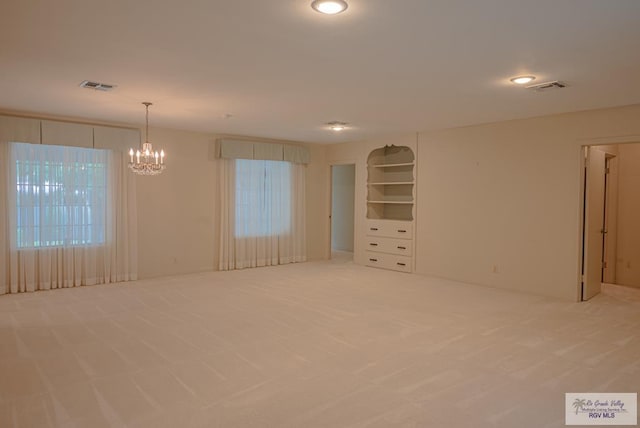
(309,345)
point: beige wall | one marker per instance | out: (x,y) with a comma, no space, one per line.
(628,234)
(506,195)
(318,194)
(176,209)
(342,205)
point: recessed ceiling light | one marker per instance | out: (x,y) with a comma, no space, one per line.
(337,126)
(522,80)
(329,7)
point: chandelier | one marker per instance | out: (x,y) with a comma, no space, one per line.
(146,162)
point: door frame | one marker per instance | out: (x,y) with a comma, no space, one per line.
(331,164)
(584,144)
(584,149)
(609,250)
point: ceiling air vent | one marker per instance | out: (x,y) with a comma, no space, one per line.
(547,86)
(96,85)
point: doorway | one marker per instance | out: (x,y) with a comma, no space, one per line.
(343,186)
(611,232)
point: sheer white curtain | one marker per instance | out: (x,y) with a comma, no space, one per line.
(69,217)
(262,213)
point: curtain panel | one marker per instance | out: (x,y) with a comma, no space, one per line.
(113,258)
(262,219)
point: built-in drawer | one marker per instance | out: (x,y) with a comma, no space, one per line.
(390,228)
(389,245)
(388,261)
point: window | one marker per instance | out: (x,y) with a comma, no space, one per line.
(263,198)
(60,197)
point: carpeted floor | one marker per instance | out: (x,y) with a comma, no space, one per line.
(317,344)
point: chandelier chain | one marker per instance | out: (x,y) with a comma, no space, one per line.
(146,132)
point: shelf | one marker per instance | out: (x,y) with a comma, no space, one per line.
(393,212)
(391,165)
(390,183)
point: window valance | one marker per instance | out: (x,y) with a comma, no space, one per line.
(54,133)
(240,149)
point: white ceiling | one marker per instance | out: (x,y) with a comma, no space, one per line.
(283,70)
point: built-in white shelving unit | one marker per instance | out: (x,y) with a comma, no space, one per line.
(390,208)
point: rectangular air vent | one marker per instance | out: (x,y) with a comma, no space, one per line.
(96,85)
(546,86)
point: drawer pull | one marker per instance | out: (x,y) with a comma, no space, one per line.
(402,231)
(373,260)
(373,228)
(401,264)
(373,244)
(402,248)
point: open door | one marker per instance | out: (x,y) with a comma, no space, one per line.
(593,223)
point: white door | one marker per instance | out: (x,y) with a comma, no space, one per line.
(593,224)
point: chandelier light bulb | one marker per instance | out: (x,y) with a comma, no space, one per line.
(329,7)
